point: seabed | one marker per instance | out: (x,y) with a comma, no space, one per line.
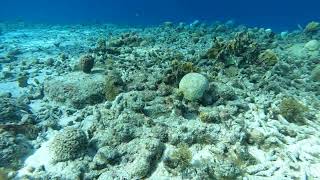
(174,101)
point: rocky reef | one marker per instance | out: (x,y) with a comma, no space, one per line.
(174,101)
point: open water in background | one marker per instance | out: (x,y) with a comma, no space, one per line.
(279,15)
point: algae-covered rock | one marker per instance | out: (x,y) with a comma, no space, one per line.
(11,111)
(226,170)
(69,144)
(312,27)
(12,150)
(76,89)
(193,86)
(268,58)
(86,63)
(315,74)
(312,45)
(113,85)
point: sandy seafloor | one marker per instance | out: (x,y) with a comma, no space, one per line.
(127,118)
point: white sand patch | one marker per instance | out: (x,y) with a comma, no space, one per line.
(11,87)
(41,157)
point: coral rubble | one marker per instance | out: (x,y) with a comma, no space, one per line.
(175,101)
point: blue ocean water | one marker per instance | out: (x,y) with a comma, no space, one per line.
(275,14)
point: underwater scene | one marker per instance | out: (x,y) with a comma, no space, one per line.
(159,90)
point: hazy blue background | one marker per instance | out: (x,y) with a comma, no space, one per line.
(276,14)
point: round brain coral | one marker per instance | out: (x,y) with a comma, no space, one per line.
(70,144)
(193,86)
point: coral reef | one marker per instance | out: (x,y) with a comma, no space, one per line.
(312,45)
(68,145)
(23,81)
(177,70)
(161,102)
(126,39)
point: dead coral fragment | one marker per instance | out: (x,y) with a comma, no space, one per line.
(180,159)
(208,117)
(312,27)
(293,110)
(238,51)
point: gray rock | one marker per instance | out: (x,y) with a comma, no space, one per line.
(76,89)
(149,152)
